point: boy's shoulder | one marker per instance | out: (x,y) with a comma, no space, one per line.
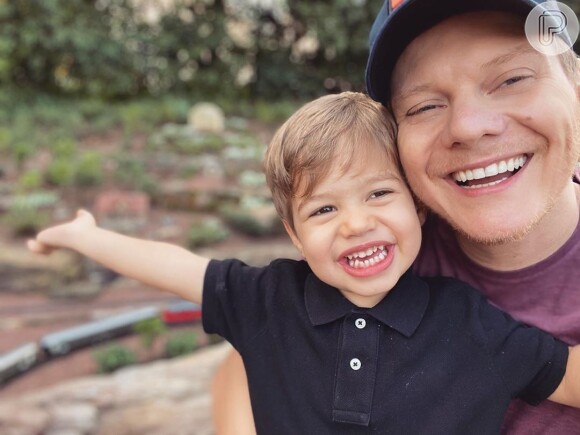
(451,291)
(281,270)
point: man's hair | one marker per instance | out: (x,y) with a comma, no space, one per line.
(328,132)
(569,62)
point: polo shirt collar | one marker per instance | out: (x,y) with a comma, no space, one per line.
(402,309)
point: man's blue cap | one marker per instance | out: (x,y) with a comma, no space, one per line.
(401,21)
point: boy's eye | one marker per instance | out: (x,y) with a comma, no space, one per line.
(323,210)
(380,193)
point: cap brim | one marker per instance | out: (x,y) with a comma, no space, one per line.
(411,19)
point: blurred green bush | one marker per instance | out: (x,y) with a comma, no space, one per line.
(113,357)
(180,344)
(111,49)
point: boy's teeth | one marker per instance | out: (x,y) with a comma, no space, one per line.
(489,171)
(367,253)
(367,258)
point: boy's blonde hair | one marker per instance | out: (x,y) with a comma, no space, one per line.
(329,130)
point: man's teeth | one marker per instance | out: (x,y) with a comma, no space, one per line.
(491,170)
(368,257)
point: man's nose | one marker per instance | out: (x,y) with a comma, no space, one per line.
(472,119)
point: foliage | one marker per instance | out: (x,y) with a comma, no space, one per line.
(205,48)
(29,180)
(70,46)
(254,216)
(89,170)
(131,173)
(114,357)
(185,140)
(180,344)
(26,214)
(206,232)
(25,221)
(60,172)
(149,330)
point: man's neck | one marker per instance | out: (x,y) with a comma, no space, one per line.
(547,236)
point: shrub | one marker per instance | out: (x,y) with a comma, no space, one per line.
(64,148)
(131,173)
(206,232)
(180,344)
(149,330)
(274,112)
(25,221)
(89,171)
(30,180)
(254,216)
(20,151)
(25,216)
(185,140)
(60,172)
(113,357)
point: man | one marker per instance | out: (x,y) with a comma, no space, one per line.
(488,137)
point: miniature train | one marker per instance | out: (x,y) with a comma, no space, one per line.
(23,358)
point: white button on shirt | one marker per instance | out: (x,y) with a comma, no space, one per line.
(355,364)
(360,323)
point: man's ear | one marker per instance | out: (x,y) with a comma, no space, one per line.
(293,237)
(577,77)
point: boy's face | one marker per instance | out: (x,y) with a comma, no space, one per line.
(473,99)
(358,230)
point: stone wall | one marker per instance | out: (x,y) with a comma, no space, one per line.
(167,397)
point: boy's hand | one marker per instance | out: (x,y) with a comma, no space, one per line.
(61,236)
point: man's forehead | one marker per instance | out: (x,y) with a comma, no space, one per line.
(460,33)
(471,26)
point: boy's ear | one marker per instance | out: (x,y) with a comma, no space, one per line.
(293,237)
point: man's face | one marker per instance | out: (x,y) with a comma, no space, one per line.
(488,127)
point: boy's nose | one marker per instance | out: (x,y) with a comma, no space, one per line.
(357,223)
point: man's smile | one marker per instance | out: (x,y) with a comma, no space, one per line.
(490,175)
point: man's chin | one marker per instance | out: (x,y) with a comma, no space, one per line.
(490,234)
(495,238)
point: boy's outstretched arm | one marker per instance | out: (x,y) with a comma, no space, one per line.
(568,392)
(160,265)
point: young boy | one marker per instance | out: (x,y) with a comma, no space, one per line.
(348,340)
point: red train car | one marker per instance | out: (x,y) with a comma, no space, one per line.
(181,312)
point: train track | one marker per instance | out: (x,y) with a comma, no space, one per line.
(24,309)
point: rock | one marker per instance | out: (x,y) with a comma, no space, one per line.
(74,417)
(253,216)
(23,420)
(126,212)
(200,193)
(207,117)
(160,398)
(22,271)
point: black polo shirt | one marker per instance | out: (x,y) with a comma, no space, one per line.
(433,357)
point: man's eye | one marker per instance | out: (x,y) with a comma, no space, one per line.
(323,210)
(422,109)
(513,80)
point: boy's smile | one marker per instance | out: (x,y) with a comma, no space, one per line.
(368,259)
(358,229)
